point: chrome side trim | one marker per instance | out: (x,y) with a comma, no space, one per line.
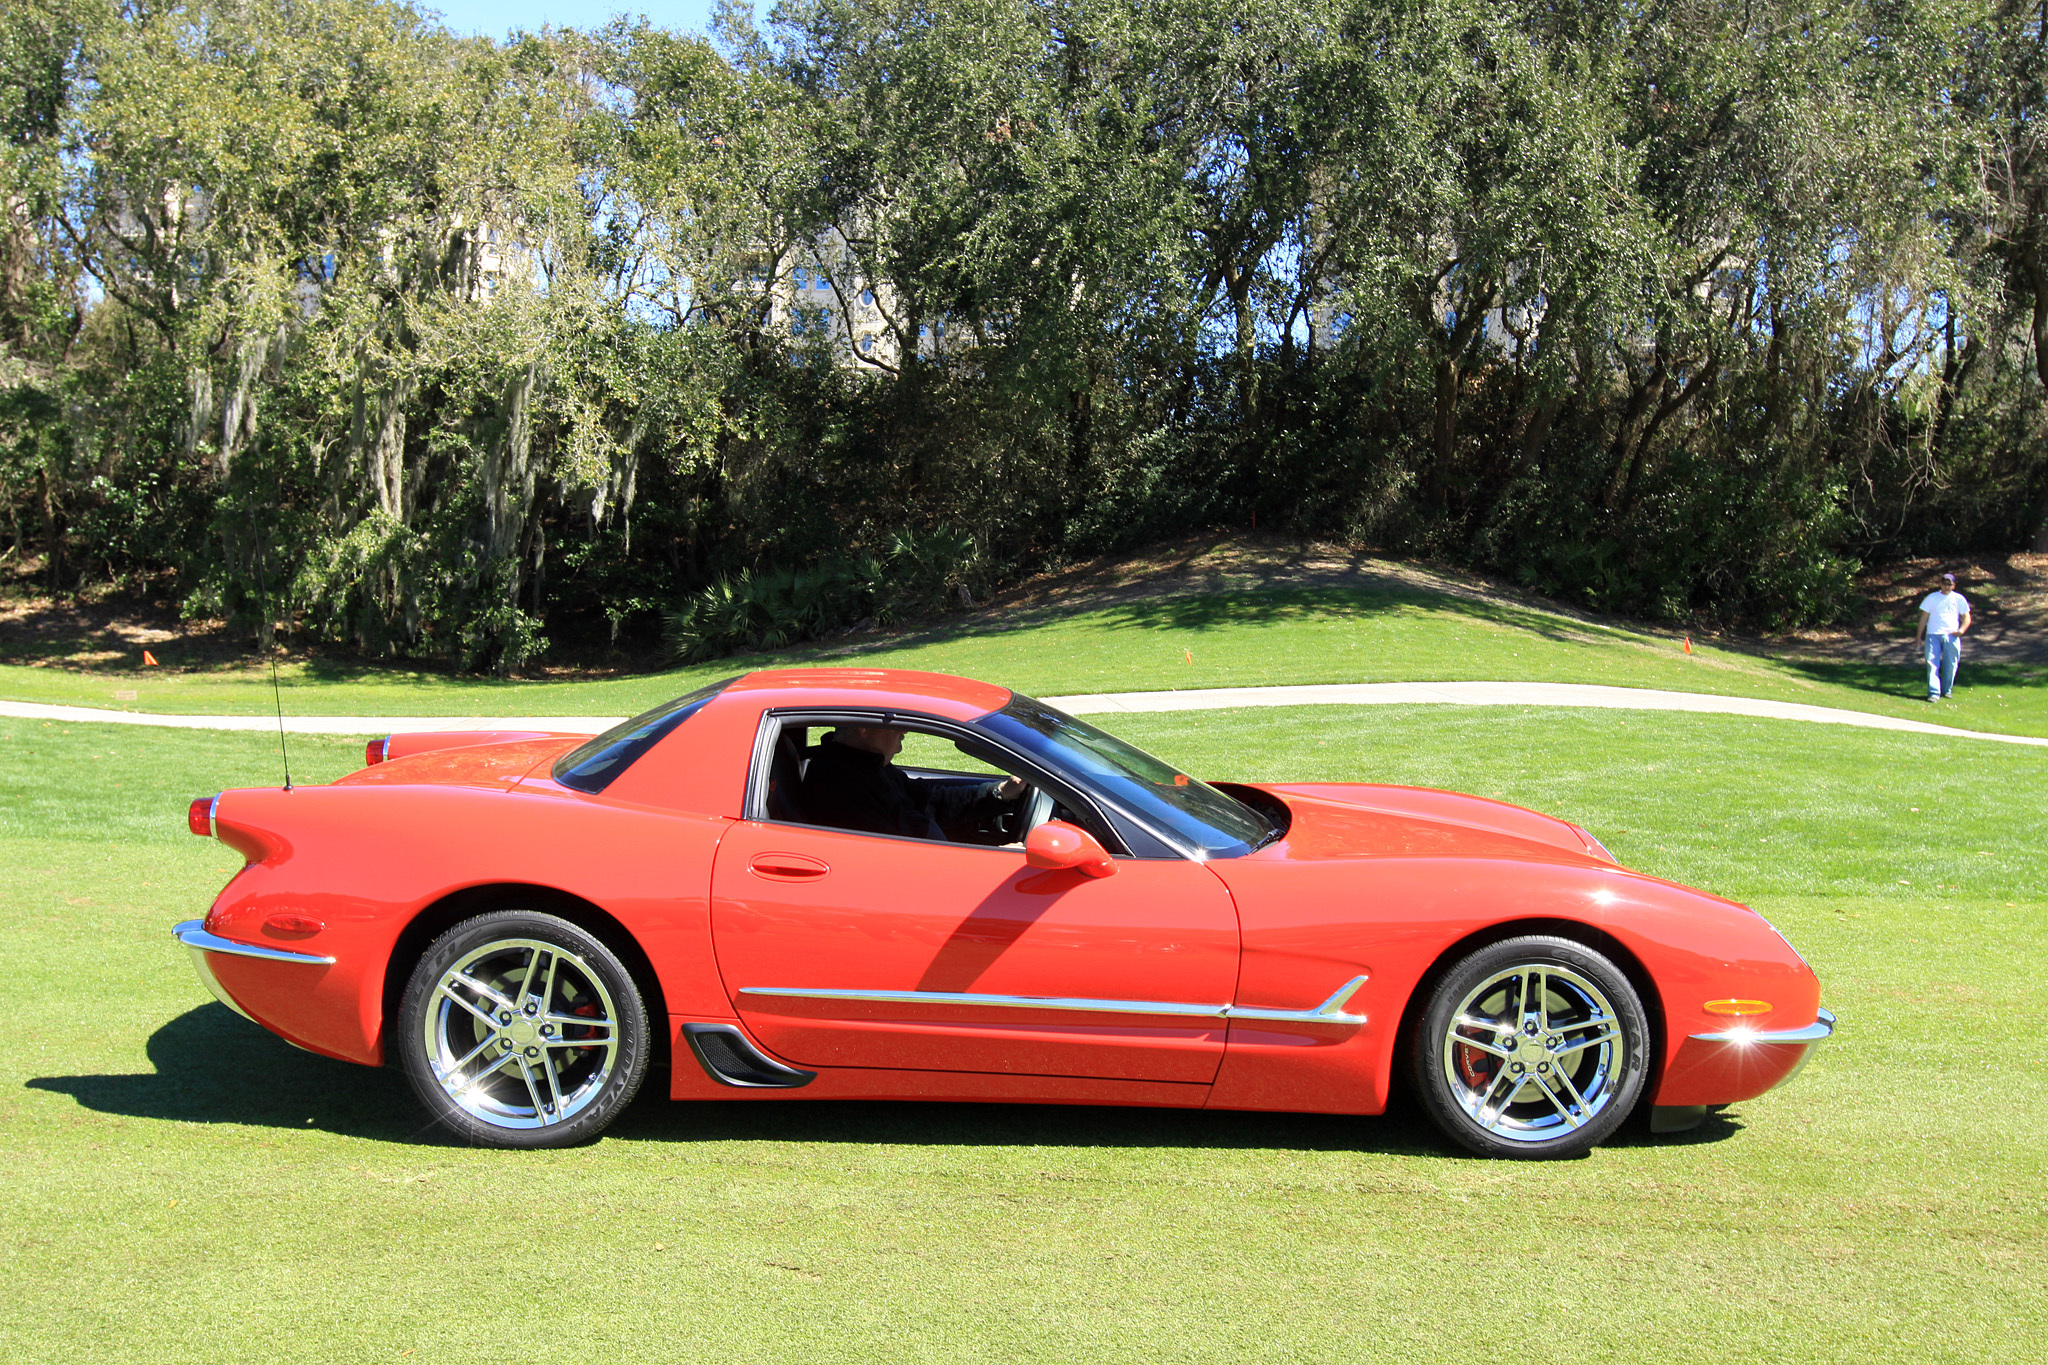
(1819,1031)
(1331,1011)
(1008,1002)
(194,936)
(213,819)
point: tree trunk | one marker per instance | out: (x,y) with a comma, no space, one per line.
(2037,278)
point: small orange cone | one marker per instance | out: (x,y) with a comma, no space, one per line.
(1688,644)
(148,659)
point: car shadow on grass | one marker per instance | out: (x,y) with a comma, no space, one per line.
(943,1124)
(213,1066)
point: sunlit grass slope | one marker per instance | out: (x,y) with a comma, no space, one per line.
(176,1185)
(1301,636)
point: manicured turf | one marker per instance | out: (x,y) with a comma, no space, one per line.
(176,1185)
(1306,636)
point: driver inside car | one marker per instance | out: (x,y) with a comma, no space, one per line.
(851,784)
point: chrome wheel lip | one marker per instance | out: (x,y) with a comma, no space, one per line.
(1561,1068)
(521,1031)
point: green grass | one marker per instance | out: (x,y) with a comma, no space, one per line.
(1303,636)
(176,1185)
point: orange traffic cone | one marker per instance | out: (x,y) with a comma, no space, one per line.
(148,659)
(1688,644)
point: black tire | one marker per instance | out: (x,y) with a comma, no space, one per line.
(1508,1072)
(527,1071)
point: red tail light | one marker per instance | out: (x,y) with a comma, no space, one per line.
(376,751)
(199,815)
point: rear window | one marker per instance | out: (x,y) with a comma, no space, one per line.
(591,766)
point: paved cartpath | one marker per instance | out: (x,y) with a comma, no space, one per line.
(1193,699)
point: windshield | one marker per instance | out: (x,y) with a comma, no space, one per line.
(591,766)
(1196,813)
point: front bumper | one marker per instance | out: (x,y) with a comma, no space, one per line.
(192,933)
(1731,1064)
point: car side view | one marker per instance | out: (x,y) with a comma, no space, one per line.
(843,883)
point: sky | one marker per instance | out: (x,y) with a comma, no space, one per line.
(499,17)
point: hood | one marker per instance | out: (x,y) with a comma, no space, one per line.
(1354,820)
(499,765)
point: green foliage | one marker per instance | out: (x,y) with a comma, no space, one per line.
(1675,310)
(772,608)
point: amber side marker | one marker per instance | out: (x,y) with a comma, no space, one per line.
(1737,1009)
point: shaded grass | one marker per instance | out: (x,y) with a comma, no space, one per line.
(180,1186)
(1246,639)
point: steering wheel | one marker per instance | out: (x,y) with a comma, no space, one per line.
(1038,806)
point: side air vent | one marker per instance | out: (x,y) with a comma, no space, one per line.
(728,1058)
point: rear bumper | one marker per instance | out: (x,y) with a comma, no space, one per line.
(1739,1063)
(192,933)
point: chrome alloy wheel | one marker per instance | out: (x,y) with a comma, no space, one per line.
(521,1033)
(1534,1052)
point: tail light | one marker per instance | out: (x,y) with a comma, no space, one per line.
(376,751)
(199,815)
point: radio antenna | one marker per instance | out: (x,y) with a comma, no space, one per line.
(276,692)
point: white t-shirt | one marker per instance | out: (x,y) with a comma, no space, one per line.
(1945,612)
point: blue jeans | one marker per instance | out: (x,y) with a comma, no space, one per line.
(1944,652)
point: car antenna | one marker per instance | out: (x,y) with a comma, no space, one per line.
(276,692)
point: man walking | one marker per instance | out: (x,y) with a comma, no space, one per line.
(1944,616)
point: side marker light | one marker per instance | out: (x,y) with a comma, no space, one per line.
(199,815)
(287,923)
(1737,1009)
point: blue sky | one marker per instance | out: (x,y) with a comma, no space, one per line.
(499,17)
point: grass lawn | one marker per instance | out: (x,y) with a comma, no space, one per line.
(1300,636)
(176,1185)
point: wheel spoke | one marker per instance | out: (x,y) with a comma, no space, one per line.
(1540,984)
(575,1021)
(1563,1111)
(532,966)
(1485,1044)
(547,1062)
(1608,1032)
(1513,1083)
(455,1068)
(526,1074)
(576,1042)
(1585,1110)
(478,1011)
(485,991)
(547,996)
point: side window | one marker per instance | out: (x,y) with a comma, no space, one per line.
(902,779)
(938,754)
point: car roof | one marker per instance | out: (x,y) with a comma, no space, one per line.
(905,689)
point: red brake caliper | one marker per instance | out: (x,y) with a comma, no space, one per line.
(1472,1067)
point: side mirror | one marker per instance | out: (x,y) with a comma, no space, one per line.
(1057,845)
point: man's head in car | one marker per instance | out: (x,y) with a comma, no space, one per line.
(873,739)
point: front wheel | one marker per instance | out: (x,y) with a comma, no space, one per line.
(520,1029)
(1532,1047)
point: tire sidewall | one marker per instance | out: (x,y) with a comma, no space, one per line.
(480,931)
(1537,950)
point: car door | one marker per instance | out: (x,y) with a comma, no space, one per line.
(849,949)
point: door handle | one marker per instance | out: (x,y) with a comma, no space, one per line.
(786,867)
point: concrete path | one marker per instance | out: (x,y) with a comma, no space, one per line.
(1194,699)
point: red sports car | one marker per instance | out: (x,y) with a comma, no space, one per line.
(887,885)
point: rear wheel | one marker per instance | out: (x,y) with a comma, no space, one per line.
(520,1029)
(1532,1047)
